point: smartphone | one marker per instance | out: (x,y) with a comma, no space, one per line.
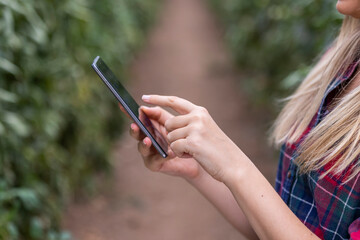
(130,105)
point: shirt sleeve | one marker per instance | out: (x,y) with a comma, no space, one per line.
(354,230)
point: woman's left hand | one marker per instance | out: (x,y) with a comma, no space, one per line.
(193,132)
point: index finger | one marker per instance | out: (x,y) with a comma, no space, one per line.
(180,105)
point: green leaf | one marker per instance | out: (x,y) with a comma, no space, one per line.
(16,123)
(8,96)
(295,78)
(2,129)
(36,228)
(8,66)
(13,231)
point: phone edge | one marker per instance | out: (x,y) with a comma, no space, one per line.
(122,102)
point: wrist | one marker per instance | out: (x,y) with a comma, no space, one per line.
(239,172)
(195,180)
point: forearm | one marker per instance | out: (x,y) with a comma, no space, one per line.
(269,216)
(221,197)
(195,133)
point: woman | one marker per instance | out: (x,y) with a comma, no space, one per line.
(317,189)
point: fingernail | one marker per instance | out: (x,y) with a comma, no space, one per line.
(132,127)
(146,98)
(144,143)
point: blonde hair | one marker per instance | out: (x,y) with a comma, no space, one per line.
(337,136)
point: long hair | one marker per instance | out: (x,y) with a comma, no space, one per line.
(337,136)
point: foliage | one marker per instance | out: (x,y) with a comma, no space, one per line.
(270,39)
(56,118)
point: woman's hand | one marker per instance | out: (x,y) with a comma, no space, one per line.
(216,192)
(195,133)
(187,168)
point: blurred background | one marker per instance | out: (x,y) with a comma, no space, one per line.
(67,171)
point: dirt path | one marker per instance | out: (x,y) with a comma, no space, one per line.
(185,56)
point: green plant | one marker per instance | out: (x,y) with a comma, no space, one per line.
(56,121)
(271,39)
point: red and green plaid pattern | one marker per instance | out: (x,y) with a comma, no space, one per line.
(326,206)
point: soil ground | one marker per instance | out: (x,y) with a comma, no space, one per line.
(185,56)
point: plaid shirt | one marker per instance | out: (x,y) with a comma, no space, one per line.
(328,208)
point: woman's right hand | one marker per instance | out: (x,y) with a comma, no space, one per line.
(187,168)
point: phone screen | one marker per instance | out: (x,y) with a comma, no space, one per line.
(130,105)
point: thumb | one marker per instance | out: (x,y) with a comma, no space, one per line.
(157,113)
